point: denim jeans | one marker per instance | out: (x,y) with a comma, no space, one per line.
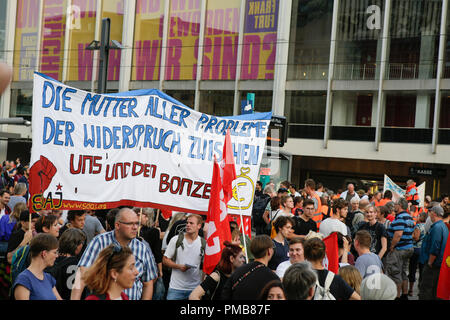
(175,294)
(158,290)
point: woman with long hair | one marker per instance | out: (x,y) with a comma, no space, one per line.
(352,276)
(9,223)
(211,288)
(113,271)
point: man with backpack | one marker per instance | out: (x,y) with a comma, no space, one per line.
(184,255)
(329,286)
(259,206)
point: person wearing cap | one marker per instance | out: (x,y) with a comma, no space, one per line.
(23,236)
(431,254)
(378,286)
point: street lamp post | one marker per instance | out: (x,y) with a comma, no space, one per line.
(104,46)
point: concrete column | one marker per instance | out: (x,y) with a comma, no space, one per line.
(331,74)
(437,100)
(236,102)
(281,59)
(126,56)
(201,41)
(423,107)
(5,99)
(373,121)
(162,68)
(383,64)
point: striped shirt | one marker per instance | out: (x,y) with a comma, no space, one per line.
(145,262)
(402,222)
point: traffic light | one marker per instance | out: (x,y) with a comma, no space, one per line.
(277,131)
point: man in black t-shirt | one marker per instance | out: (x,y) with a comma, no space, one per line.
(304,223)
(248,281)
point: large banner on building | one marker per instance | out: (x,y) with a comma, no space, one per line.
(139,148)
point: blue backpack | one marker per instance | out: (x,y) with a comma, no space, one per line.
(20,261)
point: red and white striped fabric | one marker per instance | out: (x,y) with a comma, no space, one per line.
(217,219)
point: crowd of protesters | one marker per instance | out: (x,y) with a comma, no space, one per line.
(143,253)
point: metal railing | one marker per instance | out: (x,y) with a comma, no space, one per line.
(355,71)
(308,72)
(367,71)
(400,71)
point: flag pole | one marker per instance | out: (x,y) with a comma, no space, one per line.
(242,223)
(140,219)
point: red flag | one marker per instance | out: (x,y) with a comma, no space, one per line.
(443,289)
(247,223)
(332,252)
(218,225)
(228,170)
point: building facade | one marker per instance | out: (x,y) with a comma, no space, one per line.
(364,84)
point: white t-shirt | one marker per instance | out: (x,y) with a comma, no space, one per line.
(331,225)
(282,267)
(191,254)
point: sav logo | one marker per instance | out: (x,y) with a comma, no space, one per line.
(243,191)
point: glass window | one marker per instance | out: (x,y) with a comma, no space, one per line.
(409,109)
(446,70)
(186,97)
(21,103)
(113,9)
(26,40)
(444,115)
(353,108)
(182,42)
(217,103)
(358,34)
(52,39)
(305,107)
(221,40)
(148,33)
(263,100)
(260,39)
(414,39)
(82,32)
(309,49)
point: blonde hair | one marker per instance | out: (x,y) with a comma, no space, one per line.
(366,209)
(175,217)
(352,276)
(17,210)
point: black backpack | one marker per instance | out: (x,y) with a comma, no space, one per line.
(259,206)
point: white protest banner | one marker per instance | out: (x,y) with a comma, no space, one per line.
(139,148)
(398,192)
(421,191)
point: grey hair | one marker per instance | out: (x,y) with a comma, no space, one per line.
(269,189)
(149,212)
(20,188)
(298,279)
(120,213)
(403,203)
